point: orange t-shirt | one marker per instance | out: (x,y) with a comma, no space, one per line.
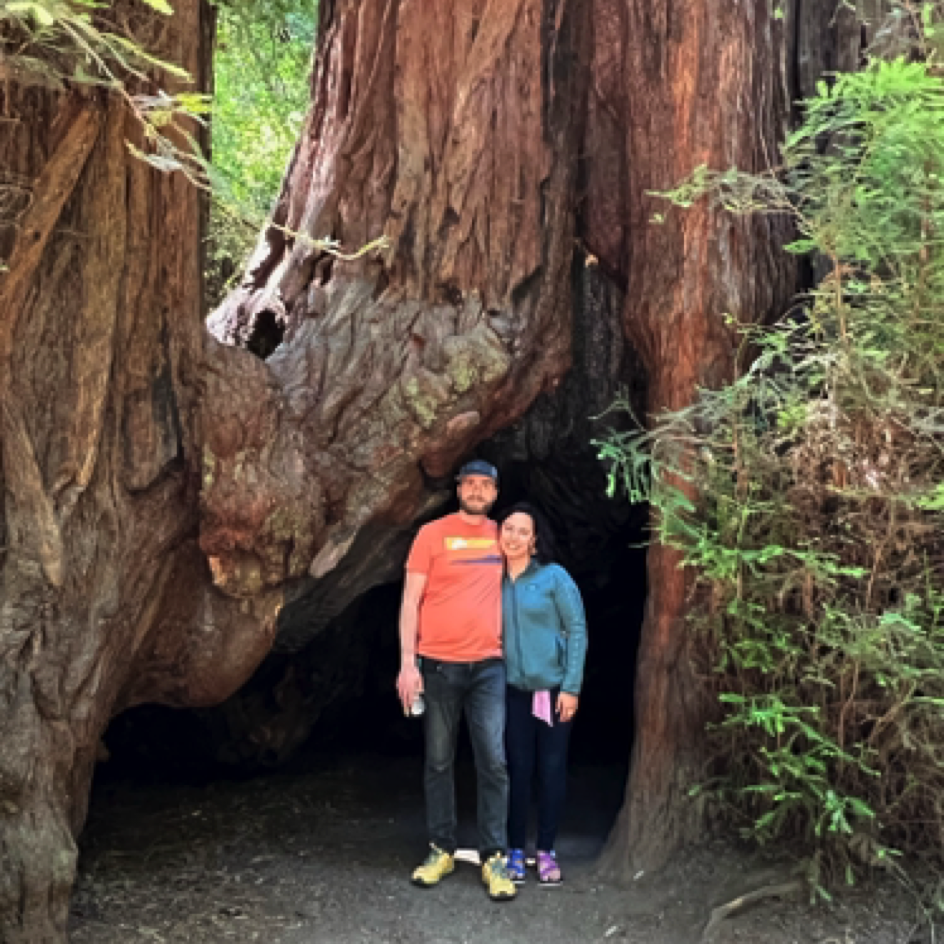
(460,612)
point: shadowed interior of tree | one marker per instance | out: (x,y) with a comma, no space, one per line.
(335,696)
(326,692)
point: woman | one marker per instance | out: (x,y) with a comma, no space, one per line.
(545,642)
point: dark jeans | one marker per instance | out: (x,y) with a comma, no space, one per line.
(479,689)
(532,743)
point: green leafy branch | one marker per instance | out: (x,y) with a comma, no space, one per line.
(806,496)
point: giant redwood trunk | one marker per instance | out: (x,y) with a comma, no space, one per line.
(164,494)
(693,83)
(161,491)
(105,597)
(453,130)
(685,83)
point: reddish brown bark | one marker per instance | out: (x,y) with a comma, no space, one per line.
(135,448)
(453,129)
(695,82)
(368,384)
(101,342)
(127,433)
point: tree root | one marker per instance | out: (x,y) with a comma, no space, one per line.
(737,904)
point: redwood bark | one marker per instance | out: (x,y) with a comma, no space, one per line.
(133,445)
(163,494)
(101,347)
(453,129)
(694,82)
(429,127)
(678,84)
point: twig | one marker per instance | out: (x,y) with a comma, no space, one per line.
(737,904)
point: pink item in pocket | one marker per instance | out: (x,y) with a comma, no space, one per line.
(541,707)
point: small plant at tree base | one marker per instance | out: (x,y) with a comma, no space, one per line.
(816,539)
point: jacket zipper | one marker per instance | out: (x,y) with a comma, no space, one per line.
(514,595)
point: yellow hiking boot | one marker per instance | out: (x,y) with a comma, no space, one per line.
(497,880)
(437,866)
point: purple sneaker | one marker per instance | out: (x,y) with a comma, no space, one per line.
(549,873)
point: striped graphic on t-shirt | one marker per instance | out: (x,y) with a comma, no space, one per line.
(472,544)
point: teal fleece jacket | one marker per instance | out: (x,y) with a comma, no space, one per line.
(544,630)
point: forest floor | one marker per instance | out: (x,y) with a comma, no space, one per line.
(324,855)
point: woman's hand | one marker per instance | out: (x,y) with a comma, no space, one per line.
(566,705)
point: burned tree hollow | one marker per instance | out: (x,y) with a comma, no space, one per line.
(330,711)
(335,697)
(326,692)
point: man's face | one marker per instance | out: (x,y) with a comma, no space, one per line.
(477,494)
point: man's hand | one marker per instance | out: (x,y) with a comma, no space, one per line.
(409,681)
(566,705)
(409,685)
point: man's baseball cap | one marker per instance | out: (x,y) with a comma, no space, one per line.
(478,467)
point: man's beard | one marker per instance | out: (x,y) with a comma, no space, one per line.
(486,507)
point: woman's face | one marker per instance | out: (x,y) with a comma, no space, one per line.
(517,536)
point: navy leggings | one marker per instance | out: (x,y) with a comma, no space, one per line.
(534,747)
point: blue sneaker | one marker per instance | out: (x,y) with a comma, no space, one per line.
(515,866)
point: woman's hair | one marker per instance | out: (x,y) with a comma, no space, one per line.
(545,547)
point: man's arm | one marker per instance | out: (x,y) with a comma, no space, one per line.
(410,682)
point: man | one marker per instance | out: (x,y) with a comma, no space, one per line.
(450,648)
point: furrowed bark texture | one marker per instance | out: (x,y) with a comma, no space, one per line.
(453,129)
(128,435)
(163,495)
(693,82)
(105,598)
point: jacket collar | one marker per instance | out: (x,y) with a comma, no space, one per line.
(533,567)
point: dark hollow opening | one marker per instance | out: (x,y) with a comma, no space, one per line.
(332,705)
(324,700)
(336,695)
(267,334)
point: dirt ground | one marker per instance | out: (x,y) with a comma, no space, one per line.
(324,855)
